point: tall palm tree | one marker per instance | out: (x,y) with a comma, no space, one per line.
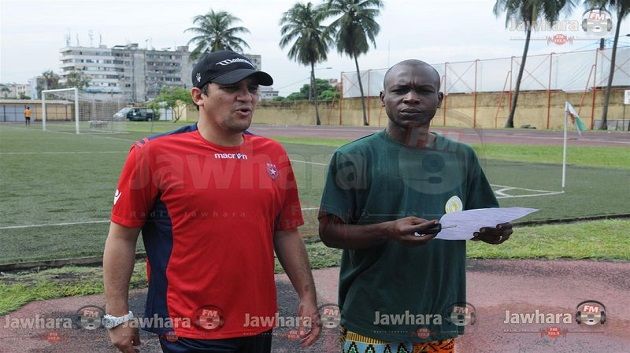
(528,11)
(301,25)
(621,8)
(47,80)
(355,23)
(214,31)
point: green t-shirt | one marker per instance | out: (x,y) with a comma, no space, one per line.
(391,290)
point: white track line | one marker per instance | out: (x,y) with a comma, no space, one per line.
(502,192)
(92,222)
(53,224)
(305,162)
(94,135)
(516,187)
(533,195)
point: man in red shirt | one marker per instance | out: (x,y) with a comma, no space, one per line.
(213,203)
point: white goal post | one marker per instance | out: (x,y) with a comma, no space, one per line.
(76,106)
(71,110)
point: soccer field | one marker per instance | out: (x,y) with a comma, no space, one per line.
(57,188)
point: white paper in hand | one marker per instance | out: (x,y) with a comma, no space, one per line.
(462,225)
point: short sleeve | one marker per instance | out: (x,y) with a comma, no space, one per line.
(479,194)
(136,191)
(346,174)
(290,215)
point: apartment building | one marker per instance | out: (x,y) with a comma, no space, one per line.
(13,90)
(135,73)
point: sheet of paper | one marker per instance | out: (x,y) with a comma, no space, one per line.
(462,225)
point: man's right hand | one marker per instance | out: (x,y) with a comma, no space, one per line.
(404,230)
(125,337)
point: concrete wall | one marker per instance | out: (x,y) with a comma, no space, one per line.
(458,110)
(12,110)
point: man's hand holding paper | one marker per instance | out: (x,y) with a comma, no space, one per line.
(491,225)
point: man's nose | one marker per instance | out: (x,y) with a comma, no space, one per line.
(411,96)
(243,94)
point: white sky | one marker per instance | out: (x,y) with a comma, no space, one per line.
(33,31)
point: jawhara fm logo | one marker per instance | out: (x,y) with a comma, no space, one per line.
(590,312)
(462,314)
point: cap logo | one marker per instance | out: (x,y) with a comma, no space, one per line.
(231,61)
(198,77)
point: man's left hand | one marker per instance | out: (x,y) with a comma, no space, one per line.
(496,235)
(310,325)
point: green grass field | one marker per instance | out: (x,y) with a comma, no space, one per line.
(57,188)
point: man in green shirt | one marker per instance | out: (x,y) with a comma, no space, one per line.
(383,197)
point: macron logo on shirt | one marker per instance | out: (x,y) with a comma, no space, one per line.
(230,156)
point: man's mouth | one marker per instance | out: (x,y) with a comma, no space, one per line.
(411,111)
(244,110)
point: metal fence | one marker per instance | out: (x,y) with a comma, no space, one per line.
(569,72)
(579,75)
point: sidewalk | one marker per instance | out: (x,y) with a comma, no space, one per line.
(496,288)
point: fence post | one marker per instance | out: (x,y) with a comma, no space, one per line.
(368,95)
(340,97)
(475,97)
(594,90)
(445,94)
(549,90)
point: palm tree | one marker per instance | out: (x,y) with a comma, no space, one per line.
(528,11)
(353,27)
(214,31)
(47,80)
(77,79)
(301,25)
(621,9)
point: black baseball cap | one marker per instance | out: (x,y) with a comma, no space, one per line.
(226,67)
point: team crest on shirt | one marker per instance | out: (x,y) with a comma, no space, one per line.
(454,204)
(272,170)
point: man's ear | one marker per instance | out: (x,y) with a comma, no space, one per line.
(382,96)
(440,97)
(196,95)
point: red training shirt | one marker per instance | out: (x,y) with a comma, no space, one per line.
(208,215)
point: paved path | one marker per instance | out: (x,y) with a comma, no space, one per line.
(494,287)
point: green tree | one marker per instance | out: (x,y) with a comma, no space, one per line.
(320,86)
(329,95)
(5,91)
(326,92)
(48,80)
(172,98)
(77,79)
(308,38)
(354,24)
(215,31)
(296,96)
(621,8)
(528,12)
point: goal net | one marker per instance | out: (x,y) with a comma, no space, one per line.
(73,111)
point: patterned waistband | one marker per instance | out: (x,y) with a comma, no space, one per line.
(357,343)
